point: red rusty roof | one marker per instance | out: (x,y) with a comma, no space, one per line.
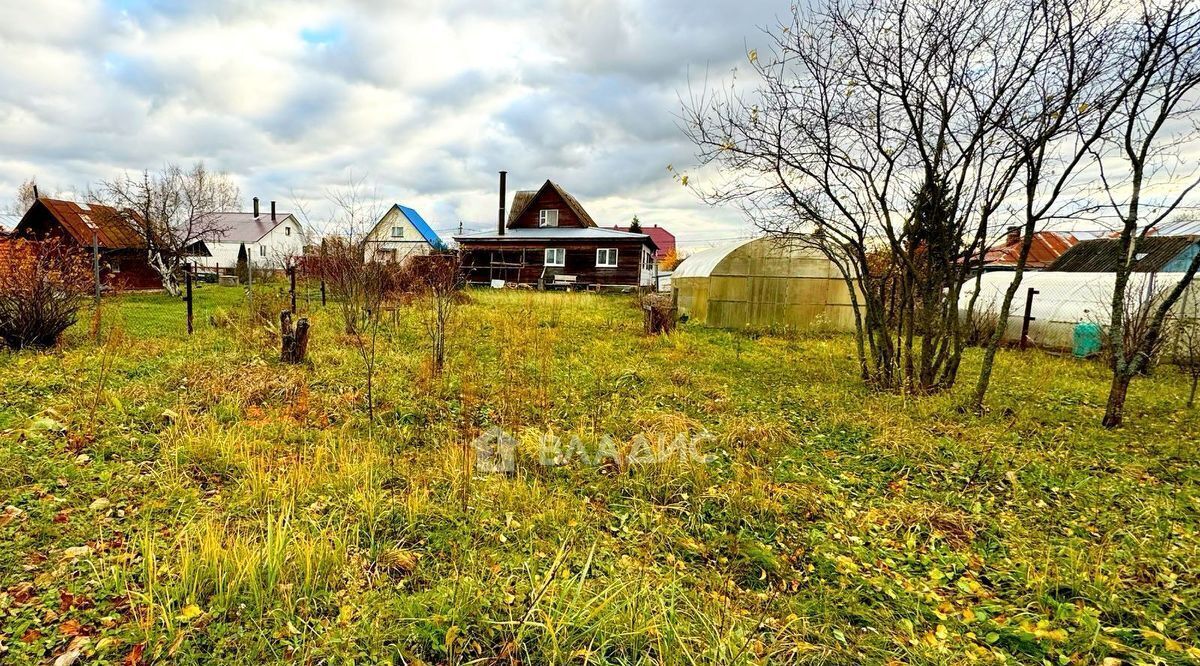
(82,220)
(1047,247)
(663,239)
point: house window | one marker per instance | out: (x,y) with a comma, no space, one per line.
(556,256)
(548,218)
(287,231)
(397,232)
(606,257)
(262,250)
(648,260)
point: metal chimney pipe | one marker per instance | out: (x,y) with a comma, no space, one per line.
(36,196)
(503,194)
(272,210)
(256,208)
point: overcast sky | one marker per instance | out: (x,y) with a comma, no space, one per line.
(427,99)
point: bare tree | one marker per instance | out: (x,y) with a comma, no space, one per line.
(438,279)
(1069,105)
(361,288)
(1143,170)
(172,210)
(879,130)
(1187,354)
(26,196)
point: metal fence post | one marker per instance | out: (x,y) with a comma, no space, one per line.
(292,275)
(187,271)
(96,265)
(1028,317)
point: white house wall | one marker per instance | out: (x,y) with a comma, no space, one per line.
(381,242)
(279,244)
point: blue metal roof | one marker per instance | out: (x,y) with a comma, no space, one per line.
(422,227)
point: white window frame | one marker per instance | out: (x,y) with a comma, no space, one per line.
(605,251)
(397,235)
(559,253)
(548,217)
(262,250)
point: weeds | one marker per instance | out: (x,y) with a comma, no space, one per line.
(251,512)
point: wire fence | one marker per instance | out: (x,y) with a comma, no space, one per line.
(1066,311)
(154,313)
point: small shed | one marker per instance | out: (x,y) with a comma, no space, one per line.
(763,283)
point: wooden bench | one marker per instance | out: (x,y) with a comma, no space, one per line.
(567,282)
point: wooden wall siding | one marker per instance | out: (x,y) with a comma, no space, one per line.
(484,263)
(547,199)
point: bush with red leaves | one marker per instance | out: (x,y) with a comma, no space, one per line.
(42,286)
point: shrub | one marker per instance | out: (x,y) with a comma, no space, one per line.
(42,286)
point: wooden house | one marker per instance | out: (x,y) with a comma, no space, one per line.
(122,249)
(550,241)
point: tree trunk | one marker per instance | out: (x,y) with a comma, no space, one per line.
(1114,413)
(1192,396)
(294,343)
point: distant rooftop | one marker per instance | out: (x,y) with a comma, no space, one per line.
(244,227)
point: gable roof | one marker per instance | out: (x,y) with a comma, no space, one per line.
(1103,255)
(82,220)
(236,227)
(420,225)
(523,198)
(1047,246)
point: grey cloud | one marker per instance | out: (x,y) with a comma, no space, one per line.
(427,99)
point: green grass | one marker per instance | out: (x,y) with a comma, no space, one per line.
(238,511)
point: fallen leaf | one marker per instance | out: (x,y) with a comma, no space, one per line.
(76,552)
(67,658)
(31,636)
(134,658)
(71,628)
(189,613)
(21,593)
(99,504)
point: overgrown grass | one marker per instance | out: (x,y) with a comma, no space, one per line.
(191,500)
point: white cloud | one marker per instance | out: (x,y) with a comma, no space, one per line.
(428,100)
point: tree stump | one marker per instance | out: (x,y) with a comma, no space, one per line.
(295,340)
(660,314)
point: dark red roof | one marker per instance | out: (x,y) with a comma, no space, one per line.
(82,220)
(663,239)
(1047,247)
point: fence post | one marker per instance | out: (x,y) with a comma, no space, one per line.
(96,265)
(1028,316)
(324,257)
(187,271)
(292,275)
(250,281)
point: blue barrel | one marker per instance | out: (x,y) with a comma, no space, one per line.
(1087,339)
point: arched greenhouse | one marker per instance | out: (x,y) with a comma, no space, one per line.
(763,283)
